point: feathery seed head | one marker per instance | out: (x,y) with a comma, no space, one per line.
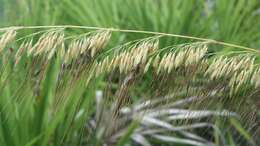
(6,38)
(156,61)
(47,43)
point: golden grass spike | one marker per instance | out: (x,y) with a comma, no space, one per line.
(98,68)
(74,49)
(237,70)
(179,58)
(77,47)
(161,64)
(190,57)
(47,43)
(62,51)
(167,63)
(98,41)
(30,48)
(22,49)
(84,45)
(104,65)
(156,61)
(183,57)
(6,38)
(128,62)
(136,55)
(19,53)
(147,66)
(121,62)
(172,59)
(255,79)
(58,43)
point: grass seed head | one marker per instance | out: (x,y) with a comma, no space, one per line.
(7,38)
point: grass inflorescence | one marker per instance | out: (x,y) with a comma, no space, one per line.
(49,81)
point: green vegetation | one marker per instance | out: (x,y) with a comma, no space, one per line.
(129,72)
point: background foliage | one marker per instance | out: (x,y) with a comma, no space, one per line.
(233,21)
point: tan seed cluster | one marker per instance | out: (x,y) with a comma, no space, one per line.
(185,57)
(91,44)
(224,66)
(103,66)
(255,80)
(23,47)
(6,38)
(47,44)
(128,60)
(239,69)
(238,79)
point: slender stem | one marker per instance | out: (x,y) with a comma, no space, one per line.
(212,41)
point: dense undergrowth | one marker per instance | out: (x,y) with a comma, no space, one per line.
(68,85)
